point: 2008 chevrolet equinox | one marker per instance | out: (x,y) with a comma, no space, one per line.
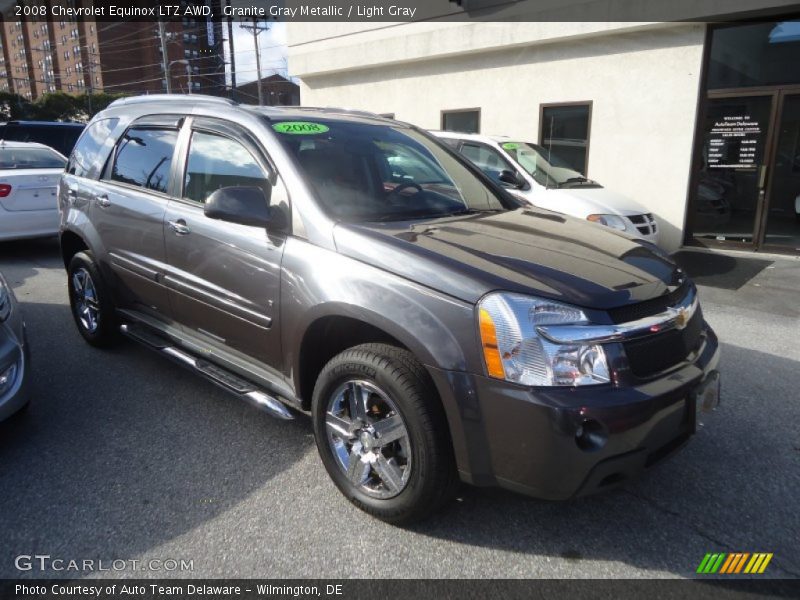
(354,267)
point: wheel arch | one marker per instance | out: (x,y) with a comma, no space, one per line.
(325,337)
(71,244)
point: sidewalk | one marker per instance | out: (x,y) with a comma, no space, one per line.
(738,280)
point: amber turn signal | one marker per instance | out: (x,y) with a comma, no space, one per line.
(491,353)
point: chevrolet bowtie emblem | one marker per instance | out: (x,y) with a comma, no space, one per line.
(681,318)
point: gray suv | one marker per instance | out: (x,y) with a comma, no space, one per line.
(355,268)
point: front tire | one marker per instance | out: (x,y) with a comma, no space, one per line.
(90,301)
(382,435)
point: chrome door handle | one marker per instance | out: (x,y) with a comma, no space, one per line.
(179,227)
(103,201)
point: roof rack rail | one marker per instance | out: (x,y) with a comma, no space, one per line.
(335,109)
(197,98)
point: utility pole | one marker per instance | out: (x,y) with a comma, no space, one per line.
(234,94)
(164,58)
(91,83)
(257,28)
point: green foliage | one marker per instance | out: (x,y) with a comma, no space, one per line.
(56,106)
(14,106)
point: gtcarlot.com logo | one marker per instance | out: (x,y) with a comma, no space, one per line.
(734,563)
(46,562)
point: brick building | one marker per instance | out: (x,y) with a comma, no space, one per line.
(75,56)
(276,90)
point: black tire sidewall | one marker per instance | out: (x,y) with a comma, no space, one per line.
(106,332)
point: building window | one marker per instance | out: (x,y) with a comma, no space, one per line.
(466,120)
(752,55)
(564,132)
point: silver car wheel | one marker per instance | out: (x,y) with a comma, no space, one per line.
(87,306)
(369,439)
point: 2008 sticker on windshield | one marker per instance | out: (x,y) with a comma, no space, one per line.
(300,127)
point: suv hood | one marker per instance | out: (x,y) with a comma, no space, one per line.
(528,251)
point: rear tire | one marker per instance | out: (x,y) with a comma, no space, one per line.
(392,457)
(90,302)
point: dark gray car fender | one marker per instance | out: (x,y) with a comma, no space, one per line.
(439,330)
(434,327)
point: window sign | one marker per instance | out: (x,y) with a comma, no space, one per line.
(734,143)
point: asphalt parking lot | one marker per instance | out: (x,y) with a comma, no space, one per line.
(125,456)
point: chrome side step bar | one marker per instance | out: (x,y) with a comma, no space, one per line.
(243,389)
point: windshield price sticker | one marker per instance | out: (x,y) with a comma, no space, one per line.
(510,146)
(300,127)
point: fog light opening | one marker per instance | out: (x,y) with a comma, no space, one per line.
(8,377)
(591,435)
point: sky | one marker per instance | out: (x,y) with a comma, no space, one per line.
(273,51)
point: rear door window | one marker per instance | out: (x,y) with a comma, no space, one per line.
(143,158)
(85,159)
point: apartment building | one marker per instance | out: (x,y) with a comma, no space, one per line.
(76,56)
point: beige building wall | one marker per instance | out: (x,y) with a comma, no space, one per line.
(642,78)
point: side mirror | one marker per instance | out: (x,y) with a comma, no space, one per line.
(511,178)
(245,205)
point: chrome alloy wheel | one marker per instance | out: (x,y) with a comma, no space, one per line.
(87,306)
(369,439)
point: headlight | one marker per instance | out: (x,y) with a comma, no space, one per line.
(5,301)
(514,351)
(613,221)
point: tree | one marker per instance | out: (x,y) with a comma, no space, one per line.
(14,107)
(56,106)
(98,101)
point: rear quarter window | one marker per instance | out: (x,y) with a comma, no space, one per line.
(86,159)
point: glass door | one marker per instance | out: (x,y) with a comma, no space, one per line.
(730,188)
(782,219)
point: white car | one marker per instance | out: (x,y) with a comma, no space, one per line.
(545,181)
(29,174)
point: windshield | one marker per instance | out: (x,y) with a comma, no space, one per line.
(374,172)
(546,168)
(30,158)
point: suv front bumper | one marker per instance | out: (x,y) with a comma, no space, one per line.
(529,439)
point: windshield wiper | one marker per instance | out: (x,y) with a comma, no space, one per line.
(467,211)
(574,180)
(399,217)
(421,216)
